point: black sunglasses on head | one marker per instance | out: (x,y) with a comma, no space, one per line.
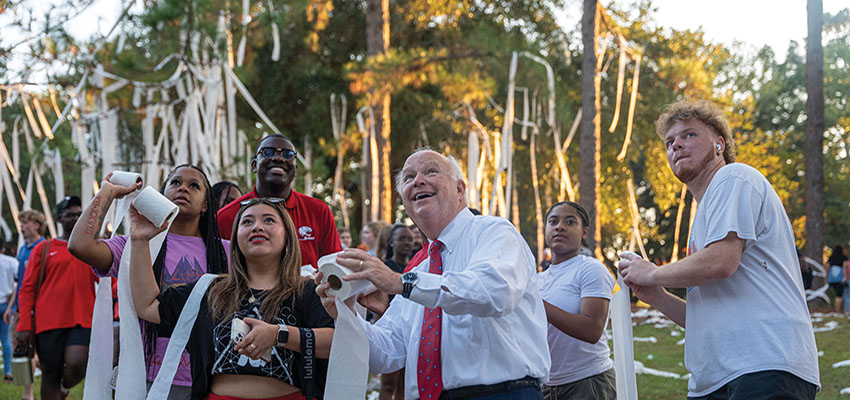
(269,152)
(266,200)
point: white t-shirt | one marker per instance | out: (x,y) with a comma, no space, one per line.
(8,272)
(564,285)
(757,319)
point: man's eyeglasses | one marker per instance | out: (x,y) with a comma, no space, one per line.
(269,152)
(71,214)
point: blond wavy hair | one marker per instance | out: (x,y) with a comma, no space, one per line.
(701,110)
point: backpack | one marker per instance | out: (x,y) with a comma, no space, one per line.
(836,274)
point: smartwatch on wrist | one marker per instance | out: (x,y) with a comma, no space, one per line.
(408,280)
(282,335)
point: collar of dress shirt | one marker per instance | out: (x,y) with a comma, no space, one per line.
(452,233)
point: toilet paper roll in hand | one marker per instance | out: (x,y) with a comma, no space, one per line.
(333,273)
(154,206)
(125,178)
(116,212)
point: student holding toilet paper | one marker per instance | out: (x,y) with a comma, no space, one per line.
(748,333)
(275,165)
(265,291)
(576,291)
(470,321)
(192,247)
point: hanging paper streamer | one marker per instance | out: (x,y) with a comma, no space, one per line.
(179,337)
(275,35)
(624,352)
(348,369)
(99,368)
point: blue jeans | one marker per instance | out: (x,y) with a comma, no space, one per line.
(6,342)
(513,393)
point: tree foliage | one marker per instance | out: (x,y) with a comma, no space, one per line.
(447,57)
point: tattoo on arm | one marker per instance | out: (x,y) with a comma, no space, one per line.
(95,217)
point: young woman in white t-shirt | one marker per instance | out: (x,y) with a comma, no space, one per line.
(576,292)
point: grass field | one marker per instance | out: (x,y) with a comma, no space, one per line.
(665,355)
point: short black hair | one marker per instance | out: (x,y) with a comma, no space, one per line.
(68,201)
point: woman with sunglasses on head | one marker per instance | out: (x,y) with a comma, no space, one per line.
(275,165)
(264,289)
(191,248)
(576,292)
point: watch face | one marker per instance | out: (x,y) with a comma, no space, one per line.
(409,277)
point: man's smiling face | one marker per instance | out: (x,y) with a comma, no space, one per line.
(274,171)
(428,189)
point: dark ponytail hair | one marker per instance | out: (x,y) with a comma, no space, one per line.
(216,256)
(581,212)
(220,190)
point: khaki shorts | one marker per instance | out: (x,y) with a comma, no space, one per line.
(602,387)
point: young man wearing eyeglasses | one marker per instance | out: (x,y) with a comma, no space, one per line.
(275,165)
(63,307)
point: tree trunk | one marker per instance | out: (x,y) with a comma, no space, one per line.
(814,132)
(589,142)
(377,43)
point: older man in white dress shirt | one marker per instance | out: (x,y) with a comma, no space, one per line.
(469,323)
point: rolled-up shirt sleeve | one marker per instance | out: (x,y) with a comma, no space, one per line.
(491,283)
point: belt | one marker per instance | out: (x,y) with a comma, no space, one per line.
(474,391)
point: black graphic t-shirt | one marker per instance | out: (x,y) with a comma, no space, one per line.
(211,349)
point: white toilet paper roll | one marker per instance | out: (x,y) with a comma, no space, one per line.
(117,211)
(333,274)
(154,206)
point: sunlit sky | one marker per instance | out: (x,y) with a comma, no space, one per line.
(754,23)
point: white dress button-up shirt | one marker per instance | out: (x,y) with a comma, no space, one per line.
(493,325)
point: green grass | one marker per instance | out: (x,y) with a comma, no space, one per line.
(8,391)
(667,356)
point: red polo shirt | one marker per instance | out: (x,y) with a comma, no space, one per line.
(313,221)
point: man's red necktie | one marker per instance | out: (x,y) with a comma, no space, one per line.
(429,375)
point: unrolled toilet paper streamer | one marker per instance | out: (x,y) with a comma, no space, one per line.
(118,209)
(624,352)
(131,361)
(100,351)
(179,337)
(348,366)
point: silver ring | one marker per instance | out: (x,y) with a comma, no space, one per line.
(361,265)
(252,346)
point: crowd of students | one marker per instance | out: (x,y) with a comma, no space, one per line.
(509,330)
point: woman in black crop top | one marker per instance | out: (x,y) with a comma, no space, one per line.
(265,290)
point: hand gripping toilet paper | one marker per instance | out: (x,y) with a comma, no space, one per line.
(348,369)
(131,361)
(624,352)
(117,211)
